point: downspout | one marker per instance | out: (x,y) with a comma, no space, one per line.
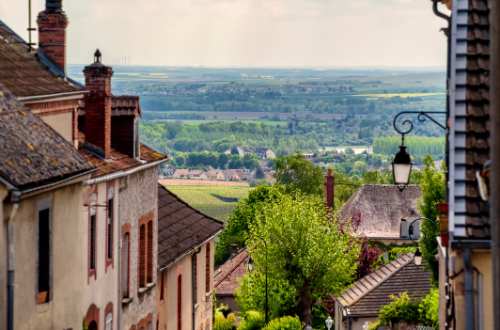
(15,199)
(193,293)
(469,290)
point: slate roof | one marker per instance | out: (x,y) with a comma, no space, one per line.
(366,296)
(377,210)
(119,161)
(469,117)
(229,274)
(181,228)
(27,73)
(32,154)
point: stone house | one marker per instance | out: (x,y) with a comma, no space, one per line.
(185,263)
(41,234)
(110,243)
(359,305)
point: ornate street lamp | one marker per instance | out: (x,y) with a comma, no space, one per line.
(401,168)
(418,257)
(329,322)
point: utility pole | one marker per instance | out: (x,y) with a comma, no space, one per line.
(495,154)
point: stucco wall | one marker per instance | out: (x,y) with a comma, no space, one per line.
(138,197)
(63,311)
(103,288)
(167,309)
(62,123)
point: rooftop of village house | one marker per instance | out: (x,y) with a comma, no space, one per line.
(375,211)
(28,156)
(181,228)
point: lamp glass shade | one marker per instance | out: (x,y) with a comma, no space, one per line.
(418,257)
(329,322)
(401,167)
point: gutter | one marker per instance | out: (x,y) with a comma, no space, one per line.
(469,290)
(189,252)
(27,99)
(122,174)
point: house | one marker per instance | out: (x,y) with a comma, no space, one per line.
(228,277)
(42,190)
(359,305)
(109,248)
(197,175)
(265,153)
(465,256)
(181,173)
(375,211)
(186,246)
(216,175)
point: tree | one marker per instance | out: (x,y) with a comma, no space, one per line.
(432,184)
(305,254)
(296,173)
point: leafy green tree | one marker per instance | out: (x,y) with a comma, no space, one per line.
(304,253)
(432,183)
(236,230)
(297,174)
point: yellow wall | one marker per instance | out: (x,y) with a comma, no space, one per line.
(62,123)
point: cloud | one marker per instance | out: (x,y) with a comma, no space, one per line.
(249,32)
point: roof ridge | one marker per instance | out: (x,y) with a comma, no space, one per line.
(233,269)
(399,264)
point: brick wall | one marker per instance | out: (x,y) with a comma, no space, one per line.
(122,134)
(52,36)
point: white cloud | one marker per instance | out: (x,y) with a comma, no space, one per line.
(249,32)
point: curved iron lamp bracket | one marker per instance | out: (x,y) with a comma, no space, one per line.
(406,126)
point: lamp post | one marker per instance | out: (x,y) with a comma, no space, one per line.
(329,322)
(250,269)
(418,254)
(402,166)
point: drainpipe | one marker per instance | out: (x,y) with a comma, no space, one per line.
(469,290)
(193,293)
(11,254)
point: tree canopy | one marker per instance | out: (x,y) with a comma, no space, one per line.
(296,173)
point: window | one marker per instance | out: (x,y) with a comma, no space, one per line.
(109,322)
(142,256)
(109,231)
(150,252)
(162,286)
(207,268)
(194,263)
(44,259)
(179,302)
(126,265)
(93,242)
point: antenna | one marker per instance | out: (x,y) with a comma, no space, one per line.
(30,28)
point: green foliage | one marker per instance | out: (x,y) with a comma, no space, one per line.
(284,323)
(418,146)
(433,192)
(429,308)
(304,253)
(298,174)
(236,230)
(252,320)
(223,323)
(401,308)
(375,325)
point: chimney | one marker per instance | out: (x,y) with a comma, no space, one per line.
(52,24)
(98,103)
(330,189)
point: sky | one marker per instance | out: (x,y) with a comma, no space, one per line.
(248,33)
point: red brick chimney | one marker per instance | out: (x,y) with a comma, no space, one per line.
(98,104)
(330,189)
(52,24)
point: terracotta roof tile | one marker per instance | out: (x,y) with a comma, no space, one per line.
(229,275)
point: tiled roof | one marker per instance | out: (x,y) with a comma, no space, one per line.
(181,228)
(119,161)
(469,117)
(27,73)
(377,210)
(366,296)
(228,275)
(32,154)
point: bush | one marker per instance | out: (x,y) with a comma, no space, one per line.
(223,323)
(429,309)
(284,323)
(402,308)
(252,320)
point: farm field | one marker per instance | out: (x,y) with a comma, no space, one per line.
(216,199)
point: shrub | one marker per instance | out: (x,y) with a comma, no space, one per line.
(223,323)
(284,323)
(402,308)
(252,320)
(429,309)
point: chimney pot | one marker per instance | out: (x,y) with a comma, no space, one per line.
(52,24)
(330,189)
